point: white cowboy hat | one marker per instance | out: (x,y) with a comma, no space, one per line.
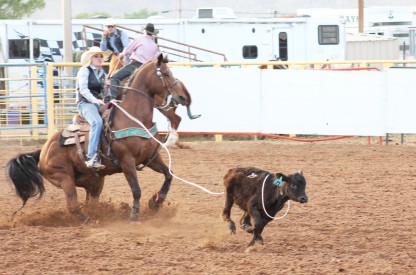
(110,22)
(87,55)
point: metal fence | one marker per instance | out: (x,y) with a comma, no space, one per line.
(36,100)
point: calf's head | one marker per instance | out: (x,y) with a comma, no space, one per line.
(294,187)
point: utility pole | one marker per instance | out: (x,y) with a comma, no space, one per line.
(67,23)
(360,16)
(66,17)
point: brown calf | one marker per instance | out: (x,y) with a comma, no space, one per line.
(243,186)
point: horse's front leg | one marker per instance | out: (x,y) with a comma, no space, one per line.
(174,121)
(131,177)
(172,138)
(158,198)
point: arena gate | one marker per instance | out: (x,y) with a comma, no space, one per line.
(35,99)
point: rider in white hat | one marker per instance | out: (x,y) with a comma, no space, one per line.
(89,97)
(113,39)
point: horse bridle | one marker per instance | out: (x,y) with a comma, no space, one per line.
(170,102)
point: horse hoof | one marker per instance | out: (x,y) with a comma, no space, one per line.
(135,222)
(156,201)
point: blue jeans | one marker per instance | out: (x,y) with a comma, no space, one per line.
(89,111)
(122,74)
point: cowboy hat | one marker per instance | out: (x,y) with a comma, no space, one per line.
(150,29)
(87,55)
(110,22)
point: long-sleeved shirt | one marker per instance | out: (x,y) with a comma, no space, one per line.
(124,39)
(142,49)
(82,82)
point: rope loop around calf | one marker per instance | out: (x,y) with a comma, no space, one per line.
(264,208)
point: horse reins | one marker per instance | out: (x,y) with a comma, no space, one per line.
(168,97)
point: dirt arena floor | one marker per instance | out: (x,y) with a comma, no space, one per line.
(360,218)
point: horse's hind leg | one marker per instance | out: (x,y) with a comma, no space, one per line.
(68,186)
(158,198)
(93,190)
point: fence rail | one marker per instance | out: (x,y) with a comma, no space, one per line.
(36,100)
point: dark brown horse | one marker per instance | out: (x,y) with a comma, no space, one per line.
(174,119)
(63,166)
(168,110)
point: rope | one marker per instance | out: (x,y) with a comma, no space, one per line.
(166,149)
(264,208)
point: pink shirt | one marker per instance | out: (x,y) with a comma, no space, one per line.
(142,49)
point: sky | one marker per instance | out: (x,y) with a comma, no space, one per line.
(187,8)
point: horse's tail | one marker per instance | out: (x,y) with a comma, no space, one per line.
(23,172)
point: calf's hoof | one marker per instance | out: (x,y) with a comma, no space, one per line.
(258,240)
(90,221)
(231,227)
(247,227)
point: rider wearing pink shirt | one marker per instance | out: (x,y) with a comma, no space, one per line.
(141,50)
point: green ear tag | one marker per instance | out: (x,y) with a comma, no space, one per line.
(278,182)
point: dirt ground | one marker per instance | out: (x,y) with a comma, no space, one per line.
(360,218)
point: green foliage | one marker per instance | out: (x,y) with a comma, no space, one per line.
(86,15)
(76,56)
(17,9)
(141,14)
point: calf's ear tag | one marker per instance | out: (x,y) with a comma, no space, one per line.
(278,182)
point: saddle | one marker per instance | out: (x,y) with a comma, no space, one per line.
(77,129)
(75,132)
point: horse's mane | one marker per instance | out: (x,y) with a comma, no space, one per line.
(129,80)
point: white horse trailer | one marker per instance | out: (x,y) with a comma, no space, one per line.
(199,39)
(390,22)
(292,39)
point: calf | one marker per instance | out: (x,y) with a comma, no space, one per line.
(244,187)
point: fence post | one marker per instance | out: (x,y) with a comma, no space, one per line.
(49,99)
(34,101)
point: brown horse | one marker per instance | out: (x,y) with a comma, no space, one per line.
(168,110)
(175,120)
(64,167)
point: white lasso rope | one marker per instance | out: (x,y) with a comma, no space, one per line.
(167,150)
(262,201)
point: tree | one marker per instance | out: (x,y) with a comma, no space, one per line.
(87,15)
(17,9)
(141,14)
